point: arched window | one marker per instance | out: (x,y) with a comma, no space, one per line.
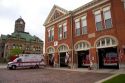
(63,48)
(82,46)
(50,50)
(106,42)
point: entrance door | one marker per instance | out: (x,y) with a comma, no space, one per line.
(108,57)
(83,59)
(51,60)
(62,59)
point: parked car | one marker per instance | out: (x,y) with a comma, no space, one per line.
(27,60)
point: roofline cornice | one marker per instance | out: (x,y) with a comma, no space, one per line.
(88,6)
(57,20)
(79,10)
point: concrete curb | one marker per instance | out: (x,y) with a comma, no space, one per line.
(107,78)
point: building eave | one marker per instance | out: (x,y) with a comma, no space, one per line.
(88,6)
(54,7)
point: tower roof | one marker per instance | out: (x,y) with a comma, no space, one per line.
(20,19)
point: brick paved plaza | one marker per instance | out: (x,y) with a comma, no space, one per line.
(49,76)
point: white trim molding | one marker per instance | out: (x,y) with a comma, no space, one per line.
(102,42)
(64,50)
(86,47)
(50,47)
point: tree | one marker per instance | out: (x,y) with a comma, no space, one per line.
(13,53)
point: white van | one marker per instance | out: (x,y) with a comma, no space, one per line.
(27,60)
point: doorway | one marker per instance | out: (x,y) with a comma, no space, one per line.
(51,60)
(83,59)
(62,59)
(108,58)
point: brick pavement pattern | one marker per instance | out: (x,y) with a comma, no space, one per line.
(49,76)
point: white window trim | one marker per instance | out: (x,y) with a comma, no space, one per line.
(64,48)
(64,27)
(86,47)
(60,34)
(105,9)
(83,17)
(98,12)
(105,46)
(51,29)
(77,20)
(48,32)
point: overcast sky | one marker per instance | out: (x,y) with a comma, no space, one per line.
(34,13)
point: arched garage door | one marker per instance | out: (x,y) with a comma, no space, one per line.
(82,49)
(107,52)
(63,56)
(51,56)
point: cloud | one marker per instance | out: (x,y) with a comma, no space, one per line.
(34,13)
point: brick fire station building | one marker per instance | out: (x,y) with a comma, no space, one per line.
(93,34)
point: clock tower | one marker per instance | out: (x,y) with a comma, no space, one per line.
(19,25)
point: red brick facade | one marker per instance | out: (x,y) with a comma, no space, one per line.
(116,32)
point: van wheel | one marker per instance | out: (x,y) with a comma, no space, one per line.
(13,67)
(36,66)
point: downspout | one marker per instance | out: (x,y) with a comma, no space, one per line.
(72,42)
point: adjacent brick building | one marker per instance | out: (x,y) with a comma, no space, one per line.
(20,39)
(92,34)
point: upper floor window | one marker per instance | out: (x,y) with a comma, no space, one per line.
(84,25)
(98,20)
(51,34)
(107,17)
(62,31)
(77,27)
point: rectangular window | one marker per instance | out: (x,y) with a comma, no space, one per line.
(84,25)
(64,30)
(98,21)
(51,34)
(77,27)
(60,29)
(107,17)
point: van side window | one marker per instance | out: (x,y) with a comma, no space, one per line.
(19,60)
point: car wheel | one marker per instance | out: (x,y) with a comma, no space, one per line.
(36,66)
(13,67)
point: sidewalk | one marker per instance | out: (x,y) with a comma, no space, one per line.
(112,71)
(115,72)
(3,65)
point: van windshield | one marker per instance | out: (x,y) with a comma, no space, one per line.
(15,60)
